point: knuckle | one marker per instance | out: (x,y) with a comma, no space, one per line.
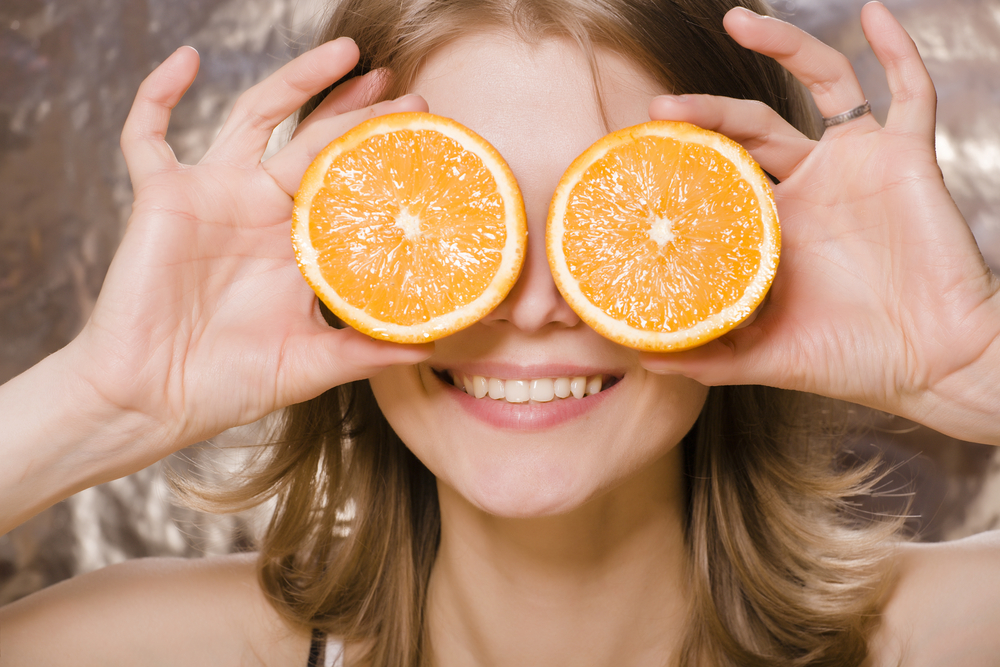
(247,113)
(760,110)
(843,64)
(132,136)
(916,91)
(836,72)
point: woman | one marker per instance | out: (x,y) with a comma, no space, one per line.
(562,533)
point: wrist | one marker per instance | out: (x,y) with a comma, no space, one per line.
(62,436)
(965,403)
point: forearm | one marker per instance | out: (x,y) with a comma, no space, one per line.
(59,437)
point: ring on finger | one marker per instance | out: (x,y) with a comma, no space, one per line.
(856,112)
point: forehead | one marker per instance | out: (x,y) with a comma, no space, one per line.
(525,97)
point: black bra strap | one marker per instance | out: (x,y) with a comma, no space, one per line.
(317,647)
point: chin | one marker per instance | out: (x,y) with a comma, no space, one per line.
(519,503)
(527,489)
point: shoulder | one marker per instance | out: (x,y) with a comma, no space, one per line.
(155,611)
(944,608)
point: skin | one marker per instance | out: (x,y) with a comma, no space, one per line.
(527,515)
(505,91)
(549,545)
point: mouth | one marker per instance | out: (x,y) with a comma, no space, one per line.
(529,391)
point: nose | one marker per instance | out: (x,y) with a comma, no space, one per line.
(534,302)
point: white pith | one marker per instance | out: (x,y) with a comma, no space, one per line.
(661,230)
(528,390)
(409,223)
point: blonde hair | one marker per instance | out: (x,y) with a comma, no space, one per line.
(780,572)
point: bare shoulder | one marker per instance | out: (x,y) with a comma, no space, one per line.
(944,608)
(156,611)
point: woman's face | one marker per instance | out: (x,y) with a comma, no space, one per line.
(536,104)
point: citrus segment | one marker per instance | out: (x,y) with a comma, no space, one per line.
(409,227)
(663,236)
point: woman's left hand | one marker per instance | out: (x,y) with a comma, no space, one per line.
(882,296)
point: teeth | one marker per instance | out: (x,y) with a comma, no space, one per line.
(561,387)
(517,391)
(539,390)
(543,390)
(497,388)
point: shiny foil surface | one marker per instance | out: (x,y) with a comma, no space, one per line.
(68,72)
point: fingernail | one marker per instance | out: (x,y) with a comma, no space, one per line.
(676,99)
(661,370)
(748,12)
(404,97)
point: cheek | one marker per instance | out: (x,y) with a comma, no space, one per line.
(412,408)
(672,404)
(650,425)
(400,395)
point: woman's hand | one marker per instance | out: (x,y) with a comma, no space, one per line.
(882,296)
(204,321)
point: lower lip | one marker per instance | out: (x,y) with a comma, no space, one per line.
(525,416)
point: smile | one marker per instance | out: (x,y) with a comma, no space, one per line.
(528,390)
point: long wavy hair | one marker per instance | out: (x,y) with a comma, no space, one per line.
(781,572)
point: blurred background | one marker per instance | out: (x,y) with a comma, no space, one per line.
(68,73)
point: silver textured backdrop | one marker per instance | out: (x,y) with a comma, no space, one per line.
(68,72)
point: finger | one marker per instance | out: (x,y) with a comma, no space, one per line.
(826,72)
(288,165)
(726,360)
(751,318)
(260,109)
(355,93)
(914,100)
(775,144)
(331,357)
(143,139)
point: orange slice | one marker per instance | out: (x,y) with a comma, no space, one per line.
(409,227)
(663,236)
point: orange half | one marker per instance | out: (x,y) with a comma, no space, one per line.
(409,227)
(663,236)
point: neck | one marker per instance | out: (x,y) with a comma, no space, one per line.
(600,585)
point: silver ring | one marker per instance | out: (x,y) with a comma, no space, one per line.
(856,112)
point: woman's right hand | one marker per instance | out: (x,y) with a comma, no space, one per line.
(204,321)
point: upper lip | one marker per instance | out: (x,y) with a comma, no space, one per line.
(527,372)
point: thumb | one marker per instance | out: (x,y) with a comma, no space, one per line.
(735,358)
(319,361)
